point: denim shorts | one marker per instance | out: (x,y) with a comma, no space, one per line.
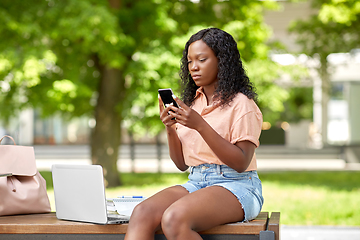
(246,186)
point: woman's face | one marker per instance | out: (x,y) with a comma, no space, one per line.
(202,64)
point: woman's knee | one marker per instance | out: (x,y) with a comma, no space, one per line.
(174,220)
(142,212)
(141,224)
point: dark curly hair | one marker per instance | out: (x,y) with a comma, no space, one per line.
(232,77)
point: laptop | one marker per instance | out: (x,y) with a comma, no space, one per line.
(80,194)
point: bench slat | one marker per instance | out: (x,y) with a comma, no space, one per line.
(49,224)
(252,227)
(274,223)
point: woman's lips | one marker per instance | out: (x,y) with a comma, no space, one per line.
(195,77)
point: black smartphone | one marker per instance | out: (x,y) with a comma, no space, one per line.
(166,96)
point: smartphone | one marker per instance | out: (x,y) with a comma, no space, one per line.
(166,96)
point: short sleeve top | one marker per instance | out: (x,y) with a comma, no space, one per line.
(240,120)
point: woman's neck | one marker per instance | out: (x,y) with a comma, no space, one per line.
(209,93)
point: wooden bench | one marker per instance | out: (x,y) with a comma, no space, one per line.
(47,226)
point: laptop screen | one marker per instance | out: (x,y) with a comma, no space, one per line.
(79,193)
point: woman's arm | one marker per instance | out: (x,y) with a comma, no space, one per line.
(175,147)
(236,156)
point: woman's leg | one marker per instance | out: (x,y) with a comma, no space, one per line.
(146,217)
(200,210)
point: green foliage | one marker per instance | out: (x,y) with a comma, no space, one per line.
(334,29)
(52,42)
(271,96)
(58,51)
(344,12)
(298,105)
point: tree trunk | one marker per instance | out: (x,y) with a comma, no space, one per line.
(106,135)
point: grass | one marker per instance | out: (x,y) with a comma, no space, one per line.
(303,198)
(313,198)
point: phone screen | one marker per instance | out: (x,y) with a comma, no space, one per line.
(166,96)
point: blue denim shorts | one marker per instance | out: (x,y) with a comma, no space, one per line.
(246,186)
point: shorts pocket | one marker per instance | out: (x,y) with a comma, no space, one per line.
(194,176)
(234,175)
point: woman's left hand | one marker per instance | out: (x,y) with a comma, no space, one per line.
(185,115)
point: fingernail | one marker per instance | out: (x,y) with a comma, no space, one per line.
(172,104)
(166,105)
(173,96)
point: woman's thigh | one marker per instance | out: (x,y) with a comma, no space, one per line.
(150,211)
(205,208)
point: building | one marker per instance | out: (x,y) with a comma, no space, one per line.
(343,113)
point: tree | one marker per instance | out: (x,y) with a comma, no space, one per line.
(334,29)
(107,58)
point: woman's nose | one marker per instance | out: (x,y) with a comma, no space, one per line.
(194,67)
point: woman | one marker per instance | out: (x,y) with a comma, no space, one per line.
(214,132)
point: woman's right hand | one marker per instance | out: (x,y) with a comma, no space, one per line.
(174,143)
(166,118)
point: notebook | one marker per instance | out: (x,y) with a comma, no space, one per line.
(125,204)
(80,194)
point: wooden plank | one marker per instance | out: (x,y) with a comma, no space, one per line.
(49,224)
(274,224)
(252,227)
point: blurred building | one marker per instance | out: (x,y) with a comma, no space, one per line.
(343,118)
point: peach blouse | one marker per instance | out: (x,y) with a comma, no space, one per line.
(241,120)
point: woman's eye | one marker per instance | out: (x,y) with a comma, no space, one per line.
(203,60)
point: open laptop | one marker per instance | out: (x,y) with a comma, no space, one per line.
(80,194)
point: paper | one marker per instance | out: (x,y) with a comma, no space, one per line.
(125,206)
(110,206)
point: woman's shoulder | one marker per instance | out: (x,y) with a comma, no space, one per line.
(244,108)
(241,101)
